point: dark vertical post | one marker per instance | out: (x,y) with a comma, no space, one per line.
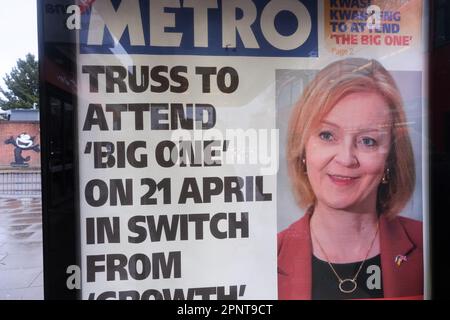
(439,134)
(57,60)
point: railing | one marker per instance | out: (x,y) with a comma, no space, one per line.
(20,183)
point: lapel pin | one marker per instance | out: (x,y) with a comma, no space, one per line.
(399,260)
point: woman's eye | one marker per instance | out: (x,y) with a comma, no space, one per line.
(368,142)
(326,136)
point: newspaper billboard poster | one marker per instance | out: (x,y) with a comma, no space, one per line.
(183,112)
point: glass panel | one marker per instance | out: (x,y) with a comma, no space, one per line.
(245,150)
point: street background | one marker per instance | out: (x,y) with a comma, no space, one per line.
(21,266)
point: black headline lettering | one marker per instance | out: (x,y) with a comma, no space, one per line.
(205,293)
(121,79)
(158,79)
(190,153)
(107,155)
(139,266)
(174,227)
(164,185)
(102,230)
(97,192)
(221,79)
(168,153)
(119,192)
(233,188)
(115,191)
(163,116)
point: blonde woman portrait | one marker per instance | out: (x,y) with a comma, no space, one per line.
(351,166)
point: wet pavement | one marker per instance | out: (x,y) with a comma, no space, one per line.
(21,268)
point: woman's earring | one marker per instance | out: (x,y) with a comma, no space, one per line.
(385,179)
(304,164)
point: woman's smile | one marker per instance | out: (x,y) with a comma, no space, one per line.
(341,180)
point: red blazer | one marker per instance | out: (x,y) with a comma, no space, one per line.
(398,236)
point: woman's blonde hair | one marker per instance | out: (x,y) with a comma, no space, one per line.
(331,84)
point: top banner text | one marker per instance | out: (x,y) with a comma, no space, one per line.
(270,28)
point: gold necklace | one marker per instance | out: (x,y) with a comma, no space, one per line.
(351,281)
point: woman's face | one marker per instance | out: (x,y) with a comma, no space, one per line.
(346,154)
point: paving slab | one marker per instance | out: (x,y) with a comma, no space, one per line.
(21,259)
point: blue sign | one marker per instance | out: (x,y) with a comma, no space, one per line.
(267,28)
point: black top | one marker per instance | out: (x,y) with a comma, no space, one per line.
(325,284)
